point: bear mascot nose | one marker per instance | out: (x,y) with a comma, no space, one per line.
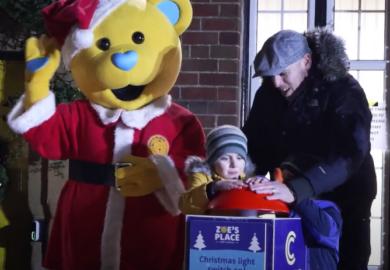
(125,61)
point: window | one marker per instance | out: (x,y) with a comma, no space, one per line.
(281,14)
(365,42)
(362,25)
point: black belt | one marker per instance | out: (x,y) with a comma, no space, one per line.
(92,173)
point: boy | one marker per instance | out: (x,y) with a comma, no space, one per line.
(225,167)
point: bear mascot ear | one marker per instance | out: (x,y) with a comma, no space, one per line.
(178,12)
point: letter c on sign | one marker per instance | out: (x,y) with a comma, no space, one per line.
(290,257)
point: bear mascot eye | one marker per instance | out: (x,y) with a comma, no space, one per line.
(103,44)
(138,37)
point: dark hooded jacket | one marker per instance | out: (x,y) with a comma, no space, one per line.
(326,126)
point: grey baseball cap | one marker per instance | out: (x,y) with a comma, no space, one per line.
(279,51)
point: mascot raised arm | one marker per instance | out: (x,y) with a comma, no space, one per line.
(126,142)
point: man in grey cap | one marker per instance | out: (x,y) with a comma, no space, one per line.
(286,57)
(310,111)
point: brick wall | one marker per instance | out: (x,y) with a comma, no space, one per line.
(209,82)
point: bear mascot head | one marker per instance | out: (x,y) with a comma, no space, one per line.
(126,142)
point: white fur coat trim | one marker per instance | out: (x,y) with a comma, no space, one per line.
(110,249)
(112,231)
(123,141)
(20,121)
(134,119)
(173,186)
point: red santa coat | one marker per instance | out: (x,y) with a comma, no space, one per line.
(95,227)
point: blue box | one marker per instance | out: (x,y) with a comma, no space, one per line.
(242,243)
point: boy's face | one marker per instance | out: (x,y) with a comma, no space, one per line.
(229,166)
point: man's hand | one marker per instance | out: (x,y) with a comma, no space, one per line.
(137,176)
(42,60)
(276,191)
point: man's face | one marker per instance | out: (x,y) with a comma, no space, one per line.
(229,166)
(291,78)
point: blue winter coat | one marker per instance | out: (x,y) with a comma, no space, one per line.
(321,221)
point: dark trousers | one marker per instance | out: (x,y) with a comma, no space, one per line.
(355,248)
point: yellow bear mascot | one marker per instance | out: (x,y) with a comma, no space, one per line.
(126,142)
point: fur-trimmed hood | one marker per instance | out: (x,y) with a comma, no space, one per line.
(328,51)
(195,164)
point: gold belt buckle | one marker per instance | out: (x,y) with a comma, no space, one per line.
(118,165)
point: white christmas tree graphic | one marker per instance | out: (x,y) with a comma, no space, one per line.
(199,243)
(254,244)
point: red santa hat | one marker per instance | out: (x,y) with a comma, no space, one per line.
(71,23)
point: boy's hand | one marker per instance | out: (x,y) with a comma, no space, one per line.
(42,60)
(252,181)
(255,181)
(223,185)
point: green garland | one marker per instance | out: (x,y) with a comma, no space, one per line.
(24,19)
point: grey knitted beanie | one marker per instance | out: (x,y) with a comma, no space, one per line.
(225,139)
